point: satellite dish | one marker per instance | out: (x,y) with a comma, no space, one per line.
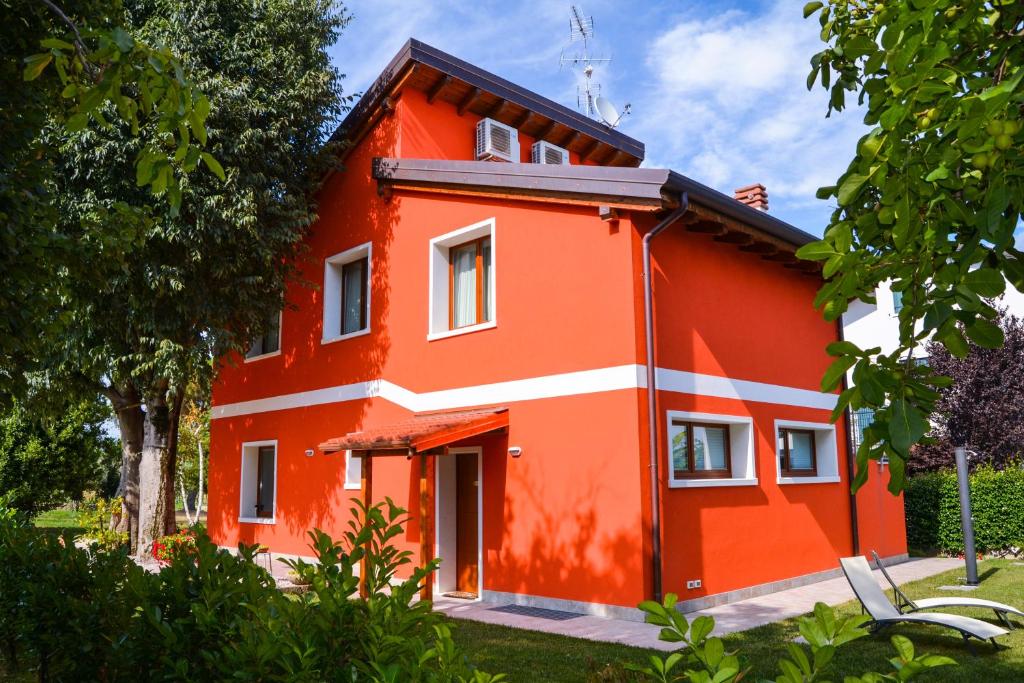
(609,114)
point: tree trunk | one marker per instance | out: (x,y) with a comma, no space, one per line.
(156,476)
(174,429)
(130,418)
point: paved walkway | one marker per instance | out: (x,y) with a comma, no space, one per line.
(736,616)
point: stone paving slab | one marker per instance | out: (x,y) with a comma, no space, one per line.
(730,618)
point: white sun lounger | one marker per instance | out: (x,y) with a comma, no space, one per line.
(884,614)
(905,604)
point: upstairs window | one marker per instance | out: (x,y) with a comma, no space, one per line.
(269,343)
(347,294)
(470,283)
(700,450)
(259,482)
(797,453)
(461,296)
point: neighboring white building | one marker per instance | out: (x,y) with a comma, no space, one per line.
(869,325)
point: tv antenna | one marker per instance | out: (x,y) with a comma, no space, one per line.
(581,30)
(589,99)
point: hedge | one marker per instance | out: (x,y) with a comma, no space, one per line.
(932,503)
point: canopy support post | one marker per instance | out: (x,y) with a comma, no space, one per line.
(366,490)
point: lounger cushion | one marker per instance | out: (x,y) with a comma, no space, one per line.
(935,603)
(976,627)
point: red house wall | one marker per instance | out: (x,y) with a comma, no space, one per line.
(726,313)
(569,519)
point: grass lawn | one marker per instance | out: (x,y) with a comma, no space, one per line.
(530,656)
(60,519)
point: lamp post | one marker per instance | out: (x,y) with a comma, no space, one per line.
(970,555)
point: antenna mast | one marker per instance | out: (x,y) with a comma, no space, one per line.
(581,29)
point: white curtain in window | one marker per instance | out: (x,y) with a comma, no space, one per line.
(352,292)
(709,448)
(464,276)
(800,451)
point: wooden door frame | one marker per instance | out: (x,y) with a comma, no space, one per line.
(438,531)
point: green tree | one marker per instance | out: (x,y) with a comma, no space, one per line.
(62,72)
(50,456)
(930,201)
(203,278)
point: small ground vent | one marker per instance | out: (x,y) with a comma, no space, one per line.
(539,612)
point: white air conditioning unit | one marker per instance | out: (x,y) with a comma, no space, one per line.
(496,142)
(546,153)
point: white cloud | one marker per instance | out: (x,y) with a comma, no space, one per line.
(729,106)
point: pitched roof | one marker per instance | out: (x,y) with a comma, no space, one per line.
(471,88)
(638,188)
(422,432)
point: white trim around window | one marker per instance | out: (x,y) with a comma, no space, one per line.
(741,442)
(437,297)
(332,292)
(353,483)
(826,452)
(247,486)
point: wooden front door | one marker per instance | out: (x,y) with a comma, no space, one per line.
(467,478)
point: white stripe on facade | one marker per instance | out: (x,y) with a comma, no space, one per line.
(550,386)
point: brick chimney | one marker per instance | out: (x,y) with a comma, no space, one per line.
(753,195)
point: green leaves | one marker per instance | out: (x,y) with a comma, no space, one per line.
(35,64)
(213,165)
(932,198)
(850,187)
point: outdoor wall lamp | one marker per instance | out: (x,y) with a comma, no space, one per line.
(309,452)
(515,451)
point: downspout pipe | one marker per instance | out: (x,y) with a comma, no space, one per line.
(850,455)
(652,399)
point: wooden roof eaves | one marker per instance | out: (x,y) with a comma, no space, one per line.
(417,52)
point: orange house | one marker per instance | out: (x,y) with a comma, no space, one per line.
(497,286)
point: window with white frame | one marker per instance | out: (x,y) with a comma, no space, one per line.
(269,343)
(462,281)
(353,471)
(347,293)
(806,452)
(706,449)
(258,496)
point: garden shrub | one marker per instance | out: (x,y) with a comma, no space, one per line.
(97,516)
(73,614)
(932,503)
(704,659)
(921,500)
(181,544)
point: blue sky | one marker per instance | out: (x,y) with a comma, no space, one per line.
(717,88)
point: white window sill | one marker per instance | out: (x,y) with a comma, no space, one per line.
(709,483)
(343,337)
(353,487)
(257,520)
(263,355)
(462,330)
(809,480)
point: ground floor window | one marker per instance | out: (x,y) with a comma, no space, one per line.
(806,452)
(700,450)
(258,498)
(796,452)
(707,449)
